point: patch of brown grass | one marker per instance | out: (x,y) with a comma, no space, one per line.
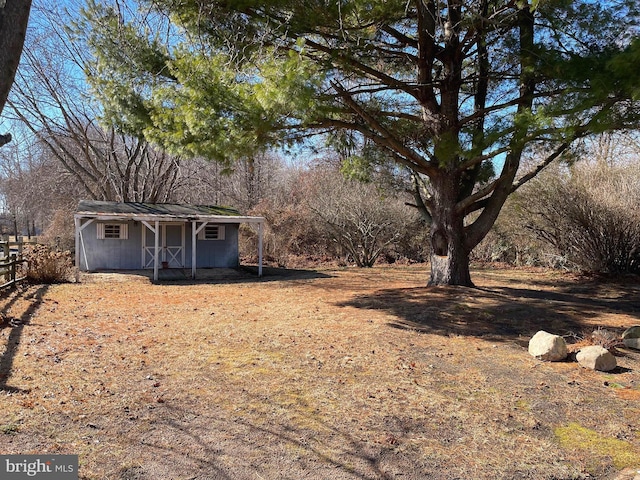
(345,374)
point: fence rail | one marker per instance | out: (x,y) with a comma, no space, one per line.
(9,271)
(10,261)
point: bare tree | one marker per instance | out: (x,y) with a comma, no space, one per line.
(51,98)
(30,189)
(244,187)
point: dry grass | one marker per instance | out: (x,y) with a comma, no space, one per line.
(341,374)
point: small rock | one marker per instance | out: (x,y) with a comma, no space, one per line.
(633,332)
(631,337)
(596,357)
(548,347)
(632,343)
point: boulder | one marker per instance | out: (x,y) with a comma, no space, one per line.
(631,337)
(596,357)
(632,343)
(548,347)
(632,332)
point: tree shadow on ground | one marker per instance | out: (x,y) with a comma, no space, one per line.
(17,324)
(204,276)
(188,451)
(276,273)
(501,313)
(223,448)
(243,274)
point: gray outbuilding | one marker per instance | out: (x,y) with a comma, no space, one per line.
(134,236)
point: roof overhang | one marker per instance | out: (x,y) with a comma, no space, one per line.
(119,217)
(159,212)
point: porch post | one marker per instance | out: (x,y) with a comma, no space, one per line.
(156,251)
(80,243)
(184,246)
(194,238)
(259,249)
(76,221)
(194,235)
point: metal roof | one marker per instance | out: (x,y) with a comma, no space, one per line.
(159,211)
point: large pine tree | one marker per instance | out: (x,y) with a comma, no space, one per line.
(449,89)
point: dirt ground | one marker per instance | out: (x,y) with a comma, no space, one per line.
(328,374)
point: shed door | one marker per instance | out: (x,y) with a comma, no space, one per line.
(172,240)
(173,245)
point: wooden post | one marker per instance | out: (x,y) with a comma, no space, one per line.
(14,262)
(76,222)
(194,237)
(6,270)
(259,249)
(156,251)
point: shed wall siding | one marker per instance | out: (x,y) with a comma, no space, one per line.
(116,254)
(111,253)
(216,253)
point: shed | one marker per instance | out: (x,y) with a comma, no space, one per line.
(134,236)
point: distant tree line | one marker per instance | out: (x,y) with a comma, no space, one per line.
(584,216)
(348,203)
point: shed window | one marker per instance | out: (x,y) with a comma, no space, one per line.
(212,232)
(117,231)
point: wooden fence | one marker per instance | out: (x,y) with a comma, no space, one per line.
(10,261)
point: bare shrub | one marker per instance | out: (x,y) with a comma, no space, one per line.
(412,244)
(589,214)
(60,233)
(362,218)
(317,216)
(292,237)
(600,336)
(509,242)
(47,265)
(607,339)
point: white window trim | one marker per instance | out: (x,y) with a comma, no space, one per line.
(221,232)
(124,231)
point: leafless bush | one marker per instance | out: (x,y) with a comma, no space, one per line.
(362,219)
(589,213)
(318,216)
(47,265)
(412,243)
(600,336)
(606,338)
(292,236)
(510,243)
(60,233)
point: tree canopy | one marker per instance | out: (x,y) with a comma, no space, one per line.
(449,89)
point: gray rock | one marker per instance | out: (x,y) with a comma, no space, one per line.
(631,337)
(548,347)
(632,343)
(596,357)
(633,332)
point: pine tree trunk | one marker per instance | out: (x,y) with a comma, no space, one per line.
(449,256)
(450,269)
